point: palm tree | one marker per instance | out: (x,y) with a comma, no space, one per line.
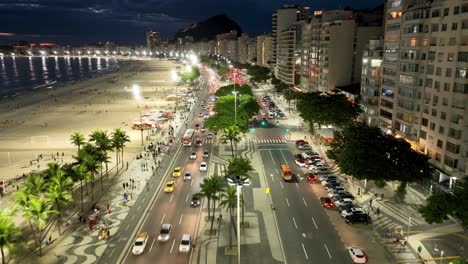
(232,133)
(9,233)
(208,192)
(58,193)
(115,139)
(38,211)
(229,201)
(77,139)
(92,166)
(52,169)
(217,185)
(22,198)
(123,140)
(82,174)
(33,185)
(103,143)
(101,157)
(240,167)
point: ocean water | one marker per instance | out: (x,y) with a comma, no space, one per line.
(22,74)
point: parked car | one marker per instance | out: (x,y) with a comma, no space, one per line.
(301,141)
(334,192)
(312,178)
(344,201)
(358,218)
(304,146)
(206,153)
(352,210)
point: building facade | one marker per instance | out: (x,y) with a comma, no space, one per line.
(285,59)
(264,50)
(152,39)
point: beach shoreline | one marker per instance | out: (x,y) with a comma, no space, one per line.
(42,121)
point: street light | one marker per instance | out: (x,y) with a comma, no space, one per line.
(239,182)
(235,105)
(137,95)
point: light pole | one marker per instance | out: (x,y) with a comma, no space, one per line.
(137,95)
(409,223)
(235,106)
(239,182)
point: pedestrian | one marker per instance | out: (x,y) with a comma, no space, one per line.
(127,165)
(359,191)
(63,154)
(126,184)
(123,184)
(50,239)
(370,202)
(381,196)
(378,211)
(108,235)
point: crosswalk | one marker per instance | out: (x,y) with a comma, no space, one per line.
(396,216)
(271,140)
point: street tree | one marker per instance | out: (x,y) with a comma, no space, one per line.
(103,143)
(442,204)
(119,140)
(9,233)
(58,194)
(229,89)
(240,166)
(233,135)
(190,76)
(258,73)
(366,152)
(34,185)
(228,200)
(248,104)
(77,139)
(38,211)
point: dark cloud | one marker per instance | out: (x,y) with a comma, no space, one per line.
(84,21)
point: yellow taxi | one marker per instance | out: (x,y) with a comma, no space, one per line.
(169,187)
(177,172)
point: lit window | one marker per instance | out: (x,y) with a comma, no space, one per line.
(413,42)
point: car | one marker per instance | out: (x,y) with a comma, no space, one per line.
(262,113)
(195,201)
(203,166)
(314,162)
(326,202)
(193,155)
(304,146)
(334,192)
(210,136)
(325,177)
(185,243)
(358,218)
(327,181)
(140,243)
(312,153)
(282,116)
(169,187)
(199,143)
(301,141)
(176,172)
(206,153)
(337,188)
(203,128)
(357,255)
(344,201)
(197,126)
(200,114)
(341,207)
(332,185)
(310,177)
(187,176)
(346,195)
(205,117)
(352,210)
(165,232)
(300,161)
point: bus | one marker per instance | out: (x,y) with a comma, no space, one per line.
(286,172)
(187,138)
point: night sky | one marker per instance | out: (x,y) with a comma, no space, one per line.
(125,21)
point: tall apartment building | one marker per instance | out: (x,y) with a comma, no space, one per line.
(332,46)
(264,50)
(252,50)
(371,79)
(152,39)
(285,63)
(226,45)
(425,81)
(282,20)
(242,48)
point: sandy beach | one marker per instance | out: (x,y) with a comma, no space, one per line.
(42,121)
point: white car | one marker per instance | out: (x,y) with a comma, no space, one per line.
(317,166)
(193,155)
(200,114)
(187,176)
(262,113)
(344,202)
(351,211)
(357,255)
(165,232)
(185,243)
(140,243)
(209,136)
(335,192)
(304,146)
(203,166)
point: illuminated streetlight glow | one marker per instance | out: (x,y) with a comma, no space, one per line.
(188,68)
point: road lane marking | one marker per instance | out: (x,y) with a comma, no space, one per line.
(172,247)
(272,159)
(297,185)
(170,201)
(126,228)
(162,220)
(138,208)
(272,177)
(180,220)
(132,218)
(305,253)
(304,201)
(177,181)
(287,201)
(154,239)
(186,199)
(191,182)
(112,252)
(327,250)
(294,220)
(277,172)
(315,224)
(281,185)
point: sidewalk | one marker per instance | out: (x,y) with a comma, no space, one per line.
(394,214)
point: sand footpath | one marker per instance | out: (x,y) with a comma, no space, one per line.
(42,121)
